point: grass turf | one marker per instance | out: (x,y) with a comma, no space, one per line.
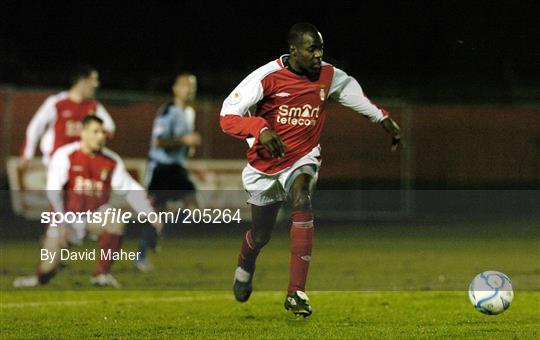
(379,282)
(215,314)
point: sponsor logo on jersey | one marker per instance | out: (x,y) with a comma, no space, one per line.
(283,94)
(305,115)
(73,128)
(88,186)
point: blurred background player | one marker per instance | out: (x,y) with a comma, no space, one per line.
(173,141)
(284,155)
(81,177)
(58,120)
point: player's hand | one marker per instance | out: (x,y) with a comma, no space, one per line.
(272,143)
(395,132)
(24,164)
(396,143)
(191,139)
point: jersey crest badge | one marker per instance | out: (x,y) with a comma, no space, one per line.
(234,98)
(322,94)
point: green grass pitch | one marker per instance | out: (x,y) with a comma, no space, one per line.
(215,314)
(365,282)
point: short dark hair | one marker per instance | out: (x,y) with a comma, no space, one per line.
(91,118)
(80,72)
(297,31)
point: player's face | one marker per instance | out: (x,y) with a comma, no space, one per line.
(185,88)
(94,136)
(90,84)
(309,53)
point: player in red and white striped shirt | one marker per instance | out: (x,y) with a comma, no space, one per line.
(290,95)
(58,120)
(81,177)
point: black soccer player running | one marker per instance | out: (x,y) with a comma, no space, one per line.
(284,157)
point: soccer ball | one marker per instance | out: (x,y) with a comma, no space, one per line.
(491,292)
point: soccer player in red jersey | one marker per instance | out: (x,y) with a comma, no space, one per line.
(58,120)
(290,94)
(81,177)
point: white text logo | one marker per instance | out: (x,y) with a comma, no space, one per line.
(304,116)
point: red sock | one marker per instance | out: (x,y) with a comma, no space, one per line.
(248,253)
(301,244)
(107,242)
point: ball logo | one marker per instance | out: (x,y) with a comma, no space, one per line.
(305,115)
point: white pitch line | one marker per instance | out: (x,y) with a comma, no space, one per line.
(225,296)
(130,300)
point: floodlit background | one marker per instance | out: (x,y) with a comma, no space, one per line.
(461,79)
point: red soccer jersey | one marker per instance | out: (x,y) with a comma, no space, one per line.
(79,182)
(58,122)
(89,181)
(293,106)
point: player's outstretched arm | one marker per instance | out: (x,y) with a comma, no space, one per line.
(346,90)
